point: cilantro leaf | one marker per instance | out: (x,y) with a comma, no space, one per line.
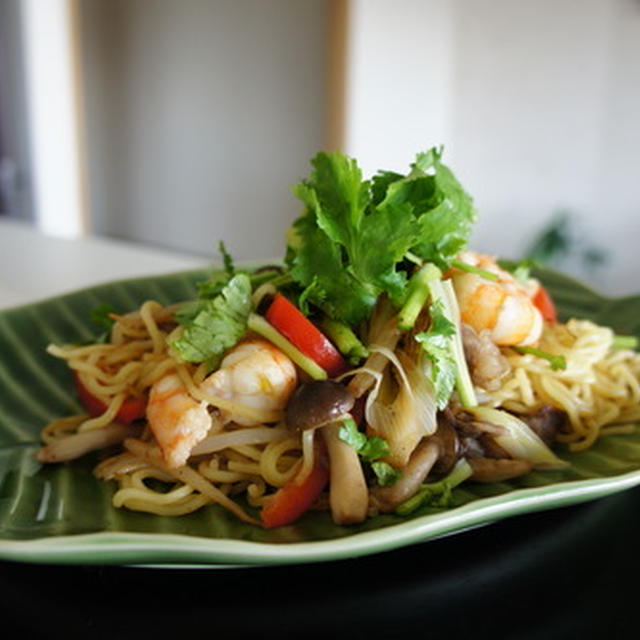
(212,286)
(227,260)
(101,315)
(217,323)
(350,434)
(443,209)
(382,242)
(370,449)
(346,246)
(319,267)
(440,493)
(436,343)
(521,271)
(385,473)
(381,182)
(375,447)
(337,195)
(349,245)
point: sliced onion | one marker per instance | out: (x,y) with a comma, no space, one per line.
(410,415)
(518,439)
(250,435)
(383,331)
(78,444)
(308,455)
(187,476)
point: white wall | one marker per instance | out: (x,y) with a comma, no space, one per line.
(53,116)
(200,116)
(537,105)
(400,80)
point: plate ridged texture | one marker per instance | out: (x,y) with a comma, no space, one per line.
(52,513)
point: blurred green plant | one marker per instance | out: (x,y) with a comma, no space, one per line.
(560,241)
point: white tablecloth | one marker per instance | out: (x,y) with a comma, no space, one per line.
(34,266)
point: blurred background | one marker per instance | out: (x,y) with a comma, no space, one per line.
(178,124)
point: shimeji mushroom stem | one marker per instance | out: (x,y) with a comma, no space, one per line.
(348,492)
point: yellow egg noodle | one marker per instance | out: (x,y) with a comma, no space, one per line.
(599,389)
(138,355)
(379,366)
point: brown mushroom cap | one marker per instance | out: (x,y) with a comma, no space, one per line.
(449,445)
(317,403)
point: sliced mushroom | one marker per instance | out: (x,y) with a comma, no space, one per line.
(487,365)
(322,403)
(546,423)
(317,403)
(348,492)
(78,444)
(449,447)
(498,470)
(491,448)
(466,424)
(471,448)
(476,442)
(459,437)
(437,453)
(386,499)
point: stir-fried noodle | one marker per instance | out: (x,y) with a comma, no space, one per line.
(599,389)
(250,460)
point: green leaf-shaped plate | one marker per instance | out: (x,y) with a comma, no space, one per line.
(62,514)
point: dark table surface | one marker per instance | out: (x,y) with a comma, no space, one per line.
(566,573)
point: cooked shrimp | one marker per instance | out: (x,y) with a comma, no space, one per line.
(177,421)
(255,374)
(503,307)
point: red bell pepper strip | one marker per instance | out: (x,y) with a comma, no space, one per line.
(299,330)
(290,502)
(543,302)
(133,407)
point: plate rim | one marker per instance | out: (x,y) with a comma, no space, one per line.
(227,552)
(120,547)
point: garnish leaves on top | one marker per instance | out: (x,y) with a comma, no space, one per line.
(349,245)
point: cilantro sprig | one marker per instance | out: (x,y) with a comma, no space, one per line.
(437,494)
(557,362)
(624,342)
(370,449)
(101,315)
(350,244)
(436,344)
(210,326)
